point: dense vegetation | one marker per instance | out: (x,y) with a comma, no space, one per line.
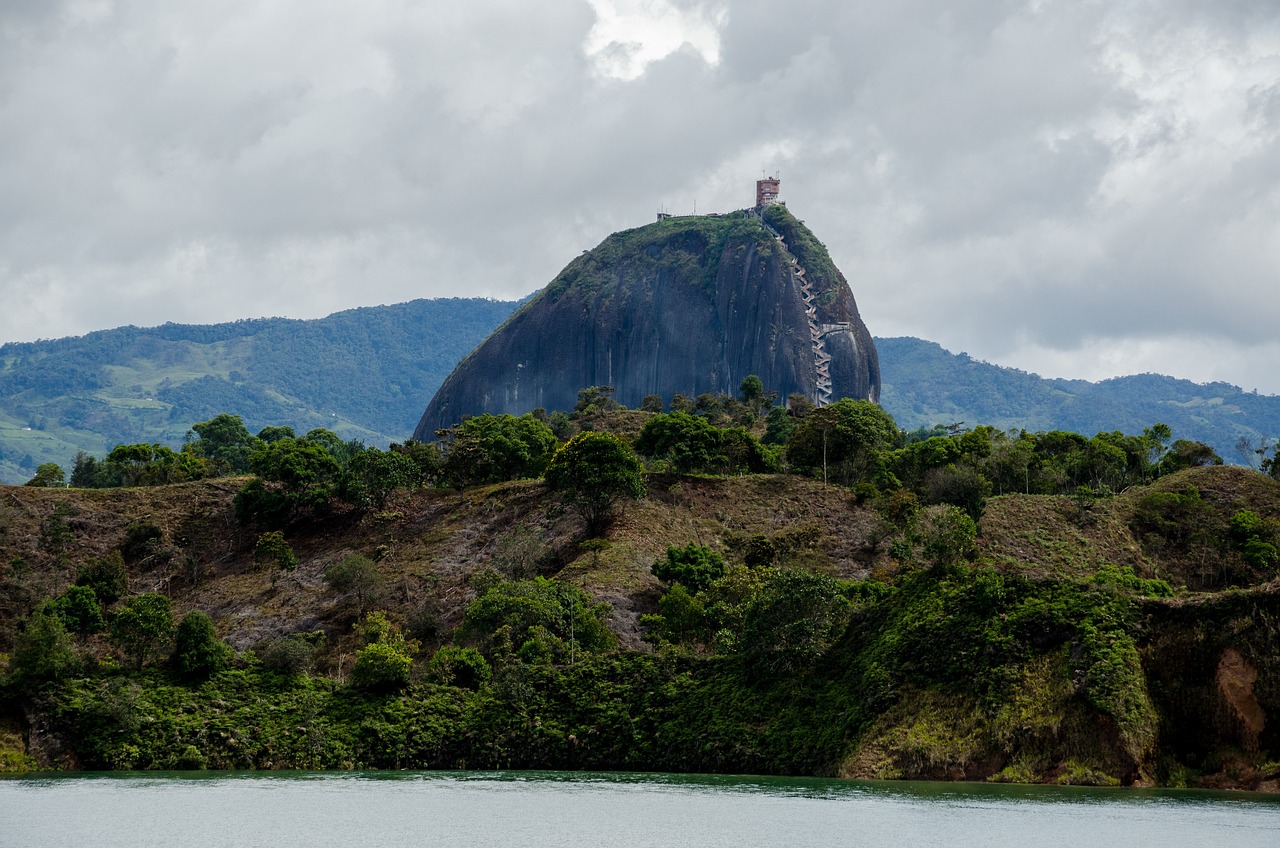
(368,373)
(364,373)
(959,603)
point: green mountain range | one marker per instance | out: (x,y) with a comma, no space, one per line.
(369,373)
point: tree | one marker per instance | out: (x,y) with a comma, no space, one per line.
(359,577)
(792,621)
(949,536)
(290,656)
(694,566)
(198,652)
(493,448)
(595,399)
(79,610)
(305,468)
(752,394)
(272,549)
(48,475)
(143,628)
(594,472)
(1188,454)
(275,434)
(371,476)
(846,442)
(44,650)
(685,442)
(558,619)
(225,440)
(155,465)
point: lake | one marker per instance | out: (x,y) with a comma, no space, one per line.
(544,809)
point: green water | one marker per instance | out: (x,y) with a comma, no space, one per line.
(543,809)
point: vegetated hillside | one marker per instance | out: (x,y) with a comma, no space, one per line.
(365,373)
(1054,655)
(687,305)
(925,385)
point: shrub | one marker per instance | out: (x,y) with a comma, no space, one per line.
(359,577)
(382,666)
(465,668)
(290,656)
(141,539)
(106,576)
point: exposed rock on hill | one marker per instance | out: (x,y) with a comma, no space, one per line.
(688,305)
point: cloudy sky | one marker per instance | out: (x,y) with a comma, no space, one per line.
(1073,187)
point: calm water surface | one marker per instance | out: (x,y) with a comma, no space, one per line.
(544,809)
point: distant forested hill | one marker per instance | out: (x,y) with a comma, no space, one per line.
(923,385)
(369,373)
(365,373)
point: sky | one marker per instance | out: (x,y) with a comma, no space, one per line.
(1078,188)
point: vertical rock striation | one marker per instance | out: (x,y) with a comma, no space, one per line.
(689,305)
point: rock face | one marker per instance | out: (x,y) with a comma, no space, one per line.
(688,305)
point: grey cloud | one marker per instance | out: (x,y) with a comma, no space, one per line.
(1030,177)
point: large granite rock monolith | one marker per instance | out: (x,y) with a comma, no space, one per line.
(690,305)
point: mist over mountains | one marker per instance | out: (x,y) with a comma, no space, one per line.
(369,373)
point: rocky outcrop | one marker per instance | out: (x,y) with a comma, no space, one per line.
(685,305)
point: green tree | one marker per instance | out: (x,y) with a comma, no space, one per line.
(694,566)
(143,627)
(359,577)
(272,549)
(155,465)
(949,536)
(685,442)
(305,468)
(557,618)
(594,400)
(371,476)
(79,610)
(289,656)
(847,442)
(225,441)
(594,472)
(198,652)
(792,621)
(753,395)
(1187,454)
(275,434)
(44,650)
(48,475)
(493,448)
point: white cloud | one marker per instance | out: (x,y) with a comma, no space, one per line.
(1081,188)
(630,35)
